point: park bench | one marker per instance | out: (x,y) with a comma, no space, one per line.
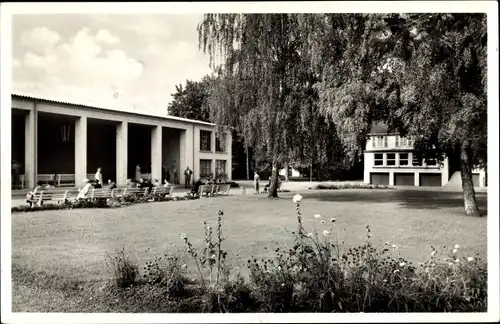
(101,193)
(57,195)
(66,180)
(161,191)
(44,178)
(139,192)
(145,176)
(206,190)
(223,189)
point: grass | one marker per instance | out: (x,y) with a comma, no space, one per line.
(72,245)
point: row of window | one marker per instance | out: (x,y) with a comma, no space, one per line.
(206,141)
(381,141)
(404,160)
(206,168)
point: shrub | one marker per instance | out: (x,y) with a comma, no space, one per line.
(349,185)
(167,271)
(124,270)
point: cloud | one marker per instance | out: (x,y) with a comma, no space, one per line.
(104,36)
(78,68)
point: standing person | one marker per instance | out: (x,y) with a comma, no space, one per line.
(138,173)
(16,174)
(187,177)
(256,179)
(98,177)
(167,175)
(163,172)
(175,174)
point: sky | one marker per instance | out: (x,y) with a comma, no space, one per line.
(126,62)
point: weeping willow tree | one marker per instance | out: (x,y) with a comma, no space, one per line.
(265,87)
(424,75)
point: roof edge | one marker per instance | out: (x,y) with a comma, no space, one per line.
(58,101)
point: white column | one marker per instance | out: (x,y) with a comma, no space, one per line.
(391,178)
(445,173)
(121,153)
(417,179)
(182,157)
(229,150)
(156,152)
(30,148)
(80,150)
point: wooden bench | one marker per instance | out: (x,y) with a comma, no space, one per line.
(223,189)
(57,195)
(44,178)
(145,176)
(64,179)
(161,191)
(101,193)
(206,189)
(133,191)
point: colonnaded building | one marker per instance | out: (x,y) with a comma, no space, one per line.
(53,138)
(389,160)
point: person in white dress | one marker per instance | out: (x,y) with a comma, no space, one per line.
(98,177)
(82,194)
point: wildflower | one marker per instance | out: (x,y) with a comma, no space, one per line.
(457,246)
(332,220)
(457,260)
(317,216)
(283,285)
(450,264)
(184,266)
(297,198)
(455,250)
(309,234)
(387,243)
(402,264)
(470,259)
(322,221)
(326,233)
(394,246)
(183,236)
(397,270)
(433,253)
(213,256)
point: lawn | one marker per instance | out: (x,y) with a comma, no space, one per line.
(73,243)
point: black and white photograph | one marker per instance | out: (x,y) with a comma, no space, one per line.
(250,162)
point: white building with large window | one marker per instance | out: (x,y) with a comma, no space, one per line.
(389,160)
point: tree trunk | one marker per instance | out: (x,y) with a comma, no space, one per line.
(248,167)
(286,171)
(471,208)
(273,190)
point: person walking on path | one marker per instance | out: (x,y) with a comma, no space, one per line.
(138,173)
(256,179)
(187,177)
(98,177)
(175,174)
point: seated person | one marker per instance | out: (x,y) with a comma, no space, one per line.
(210,181)
(131,184)
(156,183)
(49,185)
(96,184)
(82,194)
(111,184)
(196,187)
(31,194)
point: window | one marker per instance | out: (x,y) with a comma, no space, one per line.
(220,168)
(205,168)
(431,162)
(220,143)
(403,158)
(379,159)
(380,141)
(416,161)
(403,141)
(205,140)
(391,158)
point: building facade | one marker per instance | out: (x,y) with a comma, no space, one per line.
(52,137)
(389,160)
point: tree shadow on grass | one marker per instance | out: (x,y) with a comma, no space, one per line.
(407,198)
